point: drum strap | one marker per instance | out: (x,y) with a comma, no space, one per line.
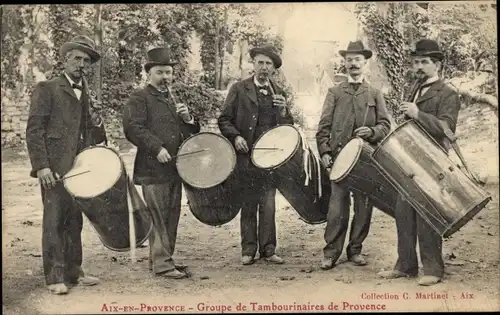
(307,164)
(453,143)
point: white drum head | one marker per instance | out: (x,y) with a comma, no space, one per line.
(275,147)
(103,169)
(346,160)
(207,168)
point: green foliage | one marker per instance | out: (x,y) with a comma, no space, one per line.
(388,42)
(12,34)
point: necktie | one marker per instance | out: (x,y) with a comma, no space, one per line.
(355,85)
(77,86)
(422,87)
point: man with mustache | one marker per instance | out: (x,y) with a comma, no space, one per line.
(62,123)
(253,106)
(435,107)
(351,109)
(157,126)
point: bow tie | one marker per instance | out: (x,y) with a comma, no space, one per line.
(77,86)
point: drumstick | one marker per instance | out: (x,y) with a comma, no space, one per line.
(63,178)
(189,153)
(268,149)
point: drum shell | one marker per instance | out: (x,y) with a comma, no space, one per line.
(108,214)
(219,204)
(365,177)
(428,179)
(290,179)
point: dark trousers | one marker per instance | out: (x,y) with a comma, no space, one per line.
(338,222)
(262,237)
(164,201)
(61,236)
(410,225)
(258,213)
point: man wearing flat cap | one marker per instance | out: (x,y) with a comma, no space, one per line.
(351,109)
(253,106)
(435,107)
(157,125)
(61,123)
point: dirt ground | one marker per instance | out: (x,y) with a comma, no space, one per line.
(219,280)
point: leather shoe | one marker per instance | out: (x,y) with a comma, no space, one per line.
(392,274)
(327,263)
(174,274)
(247,260)
(358,260)
(180,266)
(275,259)
(428,280)
(58,288)
(86,281)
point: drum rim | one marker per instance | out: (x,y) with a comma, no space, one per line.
(349,169)
(383,141)
(470,213)
(287,159)
(122,165)
(146,237)
(218,135)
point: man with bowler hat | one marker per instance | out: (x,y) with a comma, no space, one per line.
(253,106)
(61,123)
(351,109)
(157,126)
(435,107)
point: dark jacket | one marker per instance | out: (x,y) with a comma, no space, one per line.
(150,122)
(440,103)
(338,122)
(53,129)
(240,113)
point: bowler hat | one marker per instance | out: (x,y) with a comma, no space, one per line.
(356,47)
(427,48)
(82,43)
(159,56)
(269,51)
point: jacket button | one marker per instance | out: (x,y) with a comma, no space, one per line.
(340,144)
(250,128)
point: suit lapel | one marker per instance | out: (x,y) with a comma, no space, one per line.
(251,91)
(347,87)
(361,89)
(431,92)
(64,83)
(163,99)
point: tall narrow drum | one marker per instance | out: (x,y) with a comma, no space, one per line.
(423,173)
(354,168)
(206,163)
(300,177)
(99,185)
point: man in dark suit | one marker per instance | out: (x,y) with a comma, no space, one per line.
(253,106)
(435,106)
(157,126)
(61,123)
(351,109)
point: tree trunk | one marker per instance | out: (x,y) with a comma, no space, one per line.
(98,43)
(217,52)
(222,50)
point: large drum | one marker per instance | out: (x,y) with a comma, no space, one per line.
(206,163)
(99,184)
(300,177)
(353,168)
(428,179)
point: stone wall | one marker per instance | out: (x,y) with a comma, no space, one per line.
(14,119)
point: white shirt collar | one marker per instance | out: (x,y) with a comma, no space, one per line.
(432,80)
(258,84)
(360,79)
(71,81)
